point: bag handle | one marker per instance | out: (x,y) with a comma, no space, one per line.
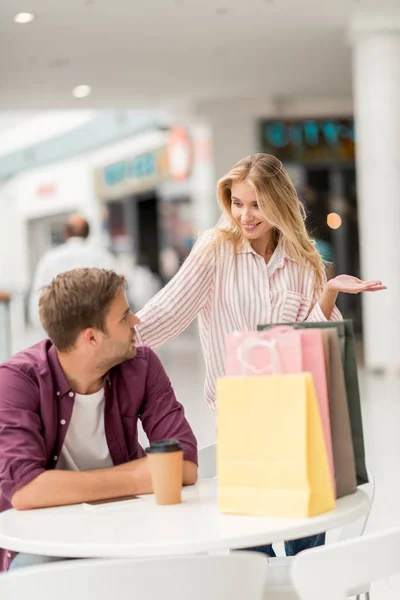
(249,344)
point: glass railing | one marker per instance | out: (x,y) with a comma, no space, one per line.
(5,327)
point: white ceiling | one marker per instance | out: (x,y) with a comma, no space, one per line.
(137,53)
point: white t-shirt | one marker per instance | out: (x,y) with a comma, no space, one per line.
(85,445)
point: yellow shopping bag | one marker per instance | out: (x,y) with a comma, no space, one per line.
(271,454)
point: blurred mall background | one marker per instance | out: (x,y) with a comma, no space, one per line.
(128,112)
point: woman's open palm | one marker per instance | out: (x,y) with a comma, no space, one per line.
(352,285)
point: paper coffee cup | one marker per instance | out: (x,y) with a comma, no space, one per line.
(166,470)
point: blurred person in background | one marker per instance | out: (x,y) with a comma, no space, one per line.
(78,251)
(143,284)
(257,266)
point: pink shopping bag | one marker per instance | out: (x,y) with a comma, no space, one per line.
(249,353)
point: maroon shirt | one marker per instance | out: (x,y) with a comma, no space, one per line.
(36,404)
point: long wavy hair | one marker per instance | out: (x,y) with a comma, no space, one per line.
(280,205)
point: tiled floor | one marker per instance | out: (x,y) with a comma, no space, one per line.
(381,414)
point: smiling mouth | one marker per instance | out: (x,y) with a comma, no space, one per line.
(250,227)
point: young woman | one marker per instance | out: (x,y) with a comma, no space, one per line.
(258,266)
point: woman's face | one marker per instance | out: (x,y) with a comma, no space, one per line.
(245,211)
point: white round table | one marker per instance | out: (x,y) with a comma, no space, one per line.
(140,528)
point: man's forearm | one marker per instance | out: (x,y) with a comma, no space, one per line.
(190,474)
(60,488)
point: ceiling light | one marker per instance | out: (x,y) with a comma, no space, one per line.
(81,91)
(334,220)
(23,18)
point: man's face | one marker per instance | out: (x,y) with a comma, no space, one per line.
(118,342)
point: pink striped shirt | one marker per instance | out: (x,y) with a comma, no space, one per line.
(228,291)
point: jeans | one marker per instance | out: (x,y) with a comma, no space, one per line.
(29,560)
(292,547)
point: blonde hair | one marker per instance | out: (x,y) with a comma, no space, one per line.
(278,202)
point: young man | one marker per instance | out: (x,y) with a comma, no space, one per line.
(69,406)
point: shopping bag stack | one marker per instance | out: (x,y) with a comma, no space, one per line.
(289,437)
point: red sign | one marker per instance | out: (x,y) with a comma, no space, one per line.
(179,154)
(46,189)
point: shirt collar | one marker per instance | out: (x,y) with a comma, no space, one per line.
(107,378)
(75,240)
(246,248)
(61,381)
(276,261)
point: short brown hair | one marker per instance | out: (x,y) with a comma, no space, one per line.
(76,300)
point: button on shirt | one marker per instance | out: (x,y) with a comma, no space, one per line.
(85,445)
(229,291)
(36,405)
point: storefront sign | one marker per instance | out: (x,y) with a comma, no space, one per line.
(136,168)
(145,171)
(309,140)
(131,175)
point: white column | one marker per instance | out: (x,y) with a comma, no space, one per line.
(376,64)
(202,179)
(234,131)
(234,128)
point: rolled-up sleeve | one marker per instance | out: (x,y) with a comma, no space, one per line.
(22,448)
(316,314)
(163,417)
